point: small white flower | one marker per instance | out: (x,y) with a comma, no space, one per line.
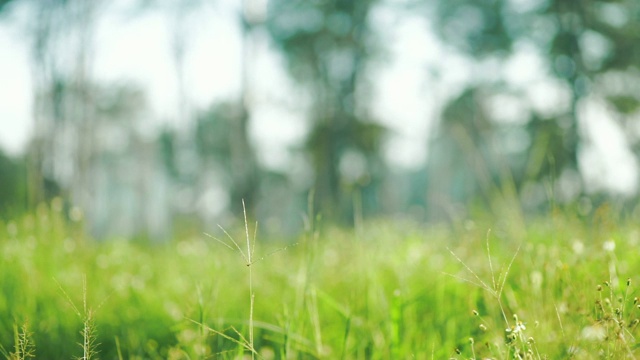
(593,333)
(517,328)
(536,280)
(578,247)
(609,246)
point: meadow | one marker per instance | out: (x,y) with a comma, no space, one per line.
(560,286)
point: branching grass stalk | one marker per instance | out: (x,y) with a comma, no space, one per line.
(26,347)
(248,258)
(250,251)
(241,341)
(23,347)
(88,344)
(497,284)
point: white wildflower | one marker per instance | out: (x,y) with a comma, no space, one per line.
(593,333)
(578,247)
(609,246)
(536,280)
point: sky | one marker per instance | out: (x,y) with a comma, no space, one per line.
(418,75)
(15,92)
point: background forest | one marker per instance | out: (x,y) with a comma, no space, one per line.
(432,110)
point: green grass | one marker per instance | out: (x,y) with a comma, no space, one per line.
(562,287)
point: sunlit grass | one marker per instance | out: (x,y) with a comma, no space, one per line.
(566,288)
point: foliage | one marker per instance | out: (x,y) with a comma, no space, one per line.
(584,47)
(221,140)
(385,291)
(13,192)
(87,135)
(327,46)
(4,3)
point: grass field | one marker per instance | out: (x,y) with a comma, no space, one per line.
(560,287)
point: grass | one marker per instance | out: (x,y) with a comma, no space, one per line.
(563,287)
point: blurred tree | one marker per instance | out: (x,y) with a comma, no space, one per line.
(242,163)
(13,171)
(4,3)
(216,142)
(86,140)
(167,149)
(13,191)
(586,45)
(128,181)
(61,49)
(185,162)
(327,45)
(458,155)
